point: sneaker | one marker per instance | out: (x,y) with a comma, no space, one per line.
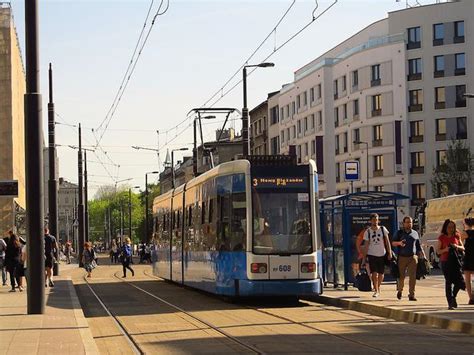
(12,290)
(376,294)
(412,298)
(51,284)
(20,288)
(450,307)
(399,295)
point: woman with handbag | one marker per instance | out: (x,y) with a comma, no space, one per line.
(377,250)
(88,258)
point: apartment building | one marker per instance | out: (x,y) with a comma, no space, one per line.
(390,97)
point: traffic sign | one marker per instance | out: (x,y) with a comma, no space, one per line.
(351,170)
(9,188)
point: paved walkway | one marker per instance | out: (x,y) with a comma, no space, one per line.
(61,329)
(430,309)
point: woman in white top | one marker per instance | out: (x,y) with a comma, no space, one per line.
(377,245)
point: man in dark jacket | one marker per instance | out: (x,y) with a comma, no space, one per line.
(408,242)
(49,252)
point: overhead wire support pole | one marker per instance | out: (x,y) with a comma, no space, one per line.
(86,198)
(52,183)
(34,165)
(80,206)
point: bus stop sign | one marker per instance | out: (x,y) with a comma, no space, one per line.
(351,170)
(9,188)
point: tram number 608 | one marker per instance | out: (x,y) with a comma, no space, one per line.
(284,268)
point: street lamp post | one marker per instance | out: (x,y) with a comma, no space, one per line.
(172,165)
(145,239)
(130,210)
(245,110)
(367,154)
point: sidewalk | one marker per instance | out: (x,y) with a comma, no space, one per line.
(61,329)
(431,308)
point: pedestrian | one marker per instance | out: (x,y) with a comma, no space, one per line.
(126,257)
(377,249)
(13,259)
(24,258)
(88,258)
(114,252)
(409,250)
(449,239)
(67,251)
(50,246)
(3,248)
(357,250)
(469,255)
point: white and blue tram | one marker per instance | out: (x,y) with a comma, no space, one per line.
(242,229)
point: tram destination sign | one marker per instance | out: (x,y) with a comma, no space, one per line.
(8,188)
(287,182)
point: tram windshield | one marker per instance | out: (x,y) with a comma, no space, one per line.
(281,223)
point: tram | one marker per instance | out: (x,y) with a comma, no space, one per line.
(243,228)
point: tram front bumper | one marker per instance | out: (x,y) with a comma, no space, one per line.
(280,287)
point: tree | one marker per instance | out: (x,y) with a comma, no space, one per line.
(454,174)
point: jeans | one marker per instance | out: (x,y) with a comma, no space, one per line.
(451,292)
(4,273)
(14,270)
(126,265)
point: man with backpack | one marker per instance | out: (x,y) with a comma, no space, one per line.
(408,242)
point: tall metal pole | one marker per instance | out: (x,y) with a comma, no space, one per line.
(130,213)
(52,183)
(121,220)
(34,165)
(145,239)
(195,152)
(172,169)
(80,206)
(367,152)
(86,200)
(245,116)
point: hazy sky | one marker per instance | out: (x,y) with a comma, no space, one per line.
(193,49)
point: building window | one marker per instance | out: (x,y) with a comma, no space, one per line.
(356,135)
(344,110)
(345,143)
(294,132)
(306,149)
(313,121)
(274,115)
(305,124)
(460,99)
(344,83)
(319,92)
(305,98)
(338,172)
(298,102)
(282,137)
(415,100)
(355,78)
(376,105)
(378,165)
(377,136)
(418,193)
(378,188)
(461,128)
(335,90)
(439,66)
(356,107)
(459,32)
(313,148)
(298,153)
(311,95)
(293,108)
(375,75)
(336,117)
(440,129)
(299,127)
(275,145)
(414,38)
(438,34)
(336,140)
(440,98)
(440,158)
(417,163)
(460,64)
(415,69)
(416,131)
(320,119)
(288,134)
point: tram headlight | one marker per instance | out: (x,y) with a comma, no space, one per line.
(258,268)
(308,267)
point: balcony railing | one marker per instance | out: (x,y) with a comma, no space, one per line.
(416,139)
(417,170)
(415,108)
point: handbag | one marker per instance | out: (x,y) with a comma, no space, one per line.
(362,281)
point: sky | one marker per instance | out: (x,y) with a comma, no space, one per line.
(192,50)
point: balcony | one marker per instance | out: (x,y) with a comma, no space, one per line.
(378,173)
(415,76)
(440,137)
(440,105)
(413,45)
(376,113)
(377,143)
(375,82)
(417,170)
(415,108)
(438,74)
(416,139)
(460,71)
(458,39)
(438,42)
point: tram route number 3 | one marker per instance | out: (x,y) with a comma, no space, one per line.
(282,268)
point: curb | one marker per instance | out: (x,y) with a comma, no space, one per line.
(398,314)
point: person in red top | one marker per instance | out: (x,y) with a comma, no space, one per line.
(449,237)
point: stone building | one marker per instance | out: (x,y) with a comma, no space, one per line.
(12,143)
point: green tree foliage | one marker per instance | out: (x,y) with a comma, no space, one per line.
(454,175)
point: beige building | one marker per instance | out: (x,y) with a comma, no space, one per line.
(67,203)
(12,143)
(396,86)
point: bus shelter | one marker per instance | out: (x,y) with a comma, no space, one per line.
(342,219)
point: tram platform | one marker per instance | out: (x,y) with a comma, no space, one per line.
(62,329)
(430,309)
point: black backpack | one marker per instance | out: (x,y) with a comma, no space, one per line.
(362,281)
